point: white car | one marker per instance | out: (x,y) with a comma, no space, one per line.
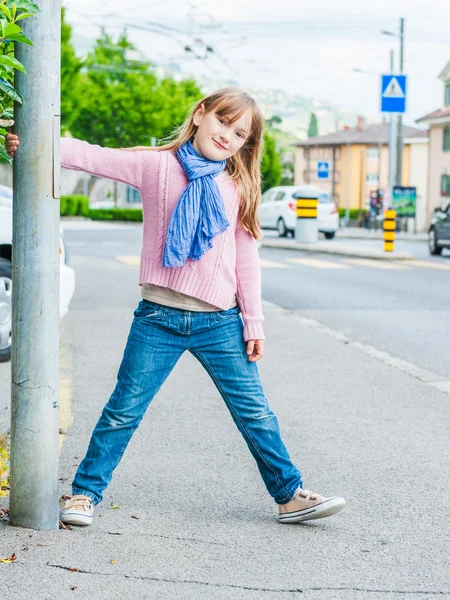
(67,275)
(278,210)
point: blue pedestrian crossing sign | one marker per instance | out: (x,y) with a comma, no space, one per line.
(323,170)
(393,93)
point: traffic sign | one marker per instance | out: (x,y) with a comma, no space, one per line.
(393,93)
(323,170)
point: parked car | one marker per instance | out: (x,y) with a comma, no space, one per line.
(439,231)
(278,210)
(67,275)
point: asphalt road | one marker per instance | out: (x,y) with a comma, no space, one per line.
(400,308)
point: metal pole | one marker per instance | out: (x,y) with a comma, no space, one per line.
(347,185)
(400,119)
(392,142)
(35,340)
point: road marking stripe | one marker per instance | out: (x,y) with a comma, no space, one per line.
(376,264)
(271,264)
(427,264)
(318,264)
(133,261)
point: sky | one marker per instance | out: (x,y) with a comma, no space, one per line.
(301,47)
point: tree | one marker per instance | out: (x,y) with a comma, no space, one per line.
(313,128)
(11,13)
(274,121)
(270,164)
(123,103)
(70,69)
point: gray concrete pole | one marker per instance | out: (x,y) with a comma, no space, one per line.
(35,328)
(392,141)
(400,118)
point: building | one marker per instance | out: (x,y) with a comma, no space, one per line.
(358,159)
(439,155)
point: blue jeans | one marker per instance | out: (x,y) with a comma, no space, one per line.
(159,335)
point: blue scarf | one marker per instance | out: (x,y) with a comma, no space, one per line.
(200,212)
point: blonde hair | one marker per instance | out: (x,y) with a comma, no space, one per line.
(244,166)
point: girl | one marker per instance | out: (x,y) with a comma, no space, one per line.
(199,273)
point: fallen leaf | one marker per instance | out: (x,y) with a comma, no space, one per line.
(63,478)
(74,570)
(64,526)
(113,561)
(114,506)
(62,431)
(101,515)
(74,587)
(8,560)
(135,517)
(76,457)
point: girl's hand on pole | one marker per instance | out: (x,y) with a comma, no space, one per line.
(11,143)
(255,350)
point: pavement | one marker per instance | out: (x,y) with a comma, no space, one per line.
(377,234)
(356,425)
(337,248)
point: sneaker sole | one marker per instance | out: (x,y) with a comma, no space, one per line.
(77,519)
(329,507)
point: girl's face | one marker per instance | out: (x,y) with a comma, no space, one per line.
(216,137)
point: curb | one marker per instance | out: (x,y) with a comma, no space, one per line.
(339,250)
(398,238)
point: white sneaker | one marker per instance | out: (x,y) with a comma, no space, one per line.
(306,505)
(77,510)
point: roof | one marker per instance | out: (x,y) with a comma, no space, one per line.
(440,113)
(445,74)
(371,134)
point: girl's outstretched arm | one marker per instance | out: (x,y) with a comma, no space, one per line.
(102,162)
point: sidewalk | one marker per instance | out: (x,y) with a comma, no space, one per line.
(337,248)
(372,234)
(206,527)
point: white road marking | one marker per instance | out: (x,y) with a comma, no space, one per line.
(377,264)
(427,264)
(271,264)
(318,264)
(132,261)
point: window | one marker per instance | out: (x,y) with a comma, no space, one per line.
(446,141)
(133,196)
(279,196)
(324,198)
(372,178)
(447,95)
(445,185)
(373,153)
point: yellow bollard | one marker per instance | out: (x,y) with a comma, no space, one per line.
(306,228)
(307,208)
(389,227)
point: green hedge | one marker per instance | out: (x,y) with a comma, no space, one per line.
(354,213)
(115,214)
(74,205)
(78,205)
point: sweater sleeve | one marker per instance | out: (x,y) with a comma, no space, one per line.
(248,276)
(123,166)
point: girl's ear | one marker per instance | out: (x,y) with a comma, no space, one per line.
(199,114)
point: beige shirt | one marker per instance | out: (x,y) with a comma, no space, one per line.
(168,297)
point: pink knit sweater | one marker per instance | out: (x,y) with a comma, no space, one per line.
(230,267)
